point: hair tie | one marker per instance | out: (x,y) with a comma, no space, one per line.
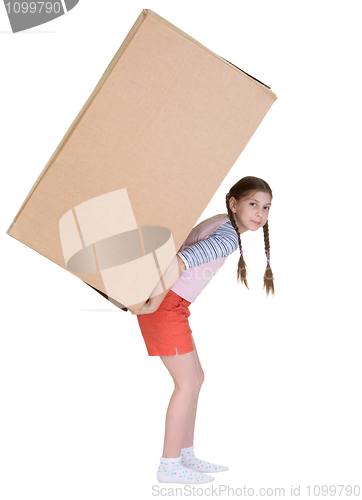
(241,252)
(268,261)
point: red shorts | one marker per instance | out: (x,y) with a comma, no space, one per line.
(167,331)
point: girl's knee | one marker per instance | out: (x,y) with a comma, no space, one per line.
(189,385)
(202,377)
(186,371)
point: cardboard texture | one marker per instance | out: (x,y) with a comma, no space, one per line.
(141,161)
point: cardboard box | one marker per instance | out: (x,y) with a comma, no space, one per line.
(141,161)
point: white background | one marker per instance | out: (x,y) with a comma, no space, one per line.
(82,404)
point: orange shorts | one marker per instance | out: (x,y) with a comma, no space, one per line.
(167,331)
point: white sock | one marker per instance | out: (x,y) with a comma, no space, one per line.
(170,470)
(189,460)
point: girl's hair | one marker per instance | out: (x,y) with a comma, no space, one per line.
(245,188)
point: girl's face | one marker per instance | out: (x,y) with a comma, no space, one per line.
(251,213)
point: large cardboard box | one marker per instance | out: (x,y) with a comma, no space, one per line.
(141,161)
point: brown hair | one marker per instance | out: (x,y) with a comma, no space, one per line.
(244,189)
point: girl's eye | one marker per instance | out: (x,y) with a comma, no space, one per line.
(252,203)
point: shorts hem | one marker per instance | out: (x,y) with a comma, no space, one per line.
(173,352)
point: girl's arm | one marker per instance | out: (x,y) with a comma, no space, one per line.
(171,274)
(221,243)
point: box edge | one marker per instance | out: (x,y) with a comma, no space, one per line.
(265,87)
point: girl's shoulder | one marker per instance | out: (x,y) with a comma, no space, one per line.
(215,220)
(204,229)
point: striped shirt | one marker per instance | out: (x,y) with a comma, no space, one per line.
(221,243)
(204,252)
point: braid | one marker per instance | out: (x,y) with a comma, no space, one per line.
(241,271)
(268,275)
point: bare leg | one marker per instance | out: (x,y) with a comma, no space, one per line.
(188,459)
(184,370)
(190,429)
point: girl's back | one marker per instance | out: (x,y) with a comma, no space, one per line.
(204,251)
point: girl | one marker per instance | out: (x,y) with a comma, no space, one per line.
(164,325)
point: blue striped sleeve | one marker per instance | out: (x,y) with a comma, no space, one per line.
(221,243)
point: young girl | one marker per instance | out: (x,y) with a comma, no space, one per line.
(164,325)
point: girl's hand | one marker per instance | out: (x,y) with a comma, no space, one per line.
(170,276)
(146,309)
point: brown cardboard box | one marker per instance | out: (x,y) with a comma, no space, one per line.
(141,161)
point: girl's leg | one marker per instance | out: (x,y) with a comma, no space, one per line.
(184,370)
(188,458)
(190,429)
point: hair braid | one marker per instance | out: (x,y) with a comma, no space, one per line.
(268,275)
(241,270)
(244,189)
